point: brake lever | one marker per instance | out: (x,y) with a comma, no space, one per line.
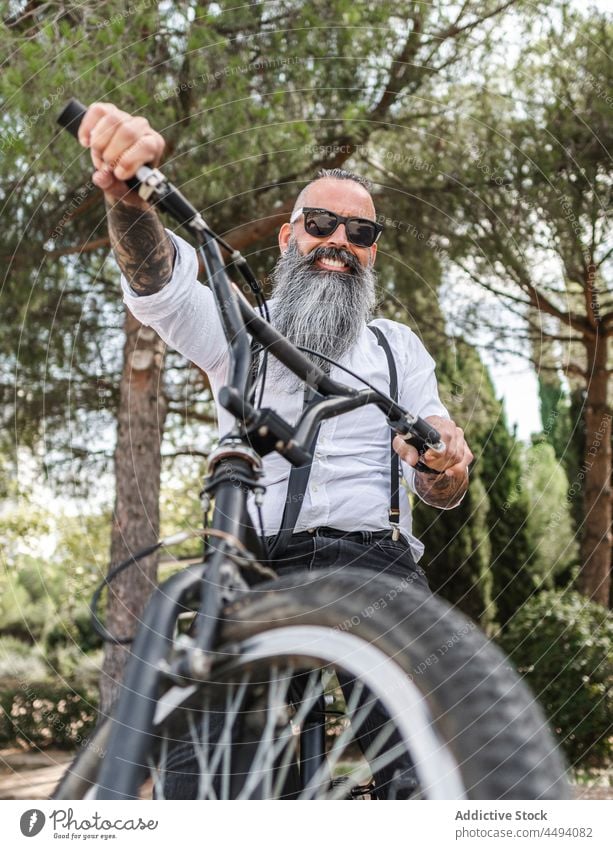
(422,436)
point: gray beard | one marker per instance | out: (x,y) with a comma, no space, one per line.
(322,310)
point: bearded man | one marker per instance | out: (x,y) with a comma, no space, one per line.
(323,297)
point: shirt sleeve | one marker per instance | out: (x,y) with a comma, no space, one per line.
(183,312)
(417,385)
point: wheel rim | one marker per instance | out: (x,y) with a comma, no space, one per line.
(252,688)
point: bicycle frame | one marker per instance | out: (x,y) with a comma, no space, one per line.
(215,581)
(234,460)
(237,459)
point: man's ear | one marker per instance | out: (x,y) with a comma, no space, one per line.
(285,234)
(373,253)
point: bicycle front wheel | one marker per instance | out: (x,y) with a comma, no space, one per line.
(432,709)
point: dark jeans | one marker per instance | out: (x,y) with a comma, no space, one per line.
(331,550)
(328,548)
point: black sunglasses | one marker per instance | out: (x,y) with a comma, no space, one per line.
(321,222)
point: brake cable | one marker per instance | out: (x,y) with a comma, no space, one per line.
(237,552)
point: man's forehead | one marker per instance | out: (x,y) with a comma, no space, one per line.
(343,196)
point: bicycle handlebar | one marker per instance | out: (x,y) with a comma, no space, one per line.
(152,186)
(239,319)
(149,182)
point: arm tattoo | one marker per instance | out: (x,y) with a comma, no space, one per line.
(440,491)
(142,248)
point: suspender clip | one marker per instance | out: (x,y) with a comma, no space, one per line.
(395,532)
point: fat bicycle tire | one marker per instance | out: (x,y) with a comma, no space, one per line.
(484,717)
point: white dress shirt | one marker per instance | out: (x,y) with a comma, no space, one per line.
(349,484)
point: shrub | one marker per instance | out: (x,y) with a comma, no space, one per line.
(46,713)
(20,661)
(76,667)
(563,645)
(75,629)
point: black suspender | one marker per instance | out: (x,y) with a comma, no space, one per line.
(394,509)
(299,475)
(296,488)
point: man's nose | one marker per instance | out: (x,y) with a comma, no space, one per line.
(338,238)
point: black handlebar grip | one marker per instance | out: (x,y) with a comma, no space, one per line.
(426,432)
(71,116)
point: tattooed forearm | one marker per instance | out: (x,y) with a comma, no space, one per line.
(440,491)
(142,247)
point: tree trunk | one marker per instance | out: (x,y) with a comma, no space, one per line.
(136,517)
(595,575)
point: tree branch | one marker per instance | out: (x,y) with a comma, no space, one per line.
(187,452)
(94,245)
(455,30)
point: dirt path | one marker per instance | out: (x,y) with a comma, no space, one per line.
(31,775)
(34,775)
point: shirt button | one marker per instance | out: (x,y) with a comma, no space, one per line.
(315,488)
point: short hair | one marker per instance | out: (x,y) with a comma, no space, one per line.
(334,174)
(341,174)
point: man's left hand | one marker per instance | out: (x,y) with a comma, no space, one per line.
(453,461)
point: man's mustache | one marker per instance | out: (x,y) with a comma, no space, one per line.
(338,254)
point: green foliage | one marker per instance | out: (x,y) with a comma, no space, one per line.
(550,524)
(507,520)
(563,427)
(563,645)
(457,557)
(531,528)
(43,713)
(458,547)
(41,599)
(524,217)
(46,699)
(554,413)
(251,100)
(180,508)
(74,629)
(51,564)
(26,607)
(573,457)
(20,661)
(513,533)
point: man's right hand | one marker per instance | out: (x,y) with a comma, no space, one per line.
(120,143)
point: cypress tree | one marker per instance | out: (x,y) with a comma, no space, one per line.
(507,521)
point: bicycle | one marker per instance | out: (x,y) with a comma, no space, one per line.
(249,688)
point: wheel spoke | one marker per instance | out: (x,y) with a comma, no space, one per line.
(340,744)
(276,748)
(201,747)
(373,764)
(243,729)
(221,748)
(239,740)
(226,747)
(158,770)
(263,760)
(286,743)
